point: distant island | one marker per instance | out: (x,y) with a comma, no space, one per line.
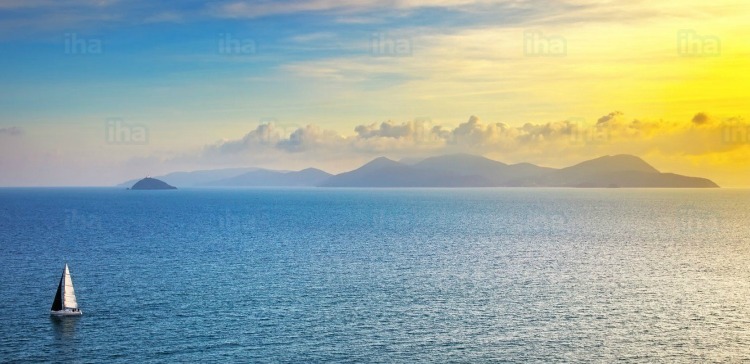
(454,170)
(149,183)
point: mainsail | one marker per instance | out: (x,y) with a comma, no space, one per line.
(69,294)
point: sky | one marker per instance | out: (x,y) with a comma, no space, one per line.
(96,92)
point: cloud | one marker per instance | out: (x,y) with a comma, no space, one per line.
(419,130)
(700,118)
(541,11)
(256,9)
(11,131)
(310,137)
(264,136)
(474,134)
(608,117)
(419,135)
(55,16)
(612,133)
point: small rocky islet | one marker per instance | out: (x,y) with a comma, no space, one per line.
(149,183)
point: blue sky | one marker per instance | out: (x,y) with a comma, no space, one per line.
(505,79)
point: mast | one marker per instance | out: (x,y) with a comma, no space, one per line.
(65,273)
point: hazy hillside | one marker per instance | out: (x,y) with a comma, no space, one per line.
(454,170)
(383,172)
(464,170)
(611,171)
(266,178)
(496,173)
(194,178)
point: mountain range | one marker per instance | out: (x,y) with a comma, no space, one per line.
(454,170)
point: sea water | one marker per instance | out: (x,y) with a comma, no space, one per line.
(377,275)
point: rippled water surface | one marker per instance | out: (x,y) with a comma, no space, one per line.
(438,275)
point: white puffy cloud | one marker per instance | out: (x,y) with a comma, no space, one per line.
(611,133)
(310,137)
(264,136)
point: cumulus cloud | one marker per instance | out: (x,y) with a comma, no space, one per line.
(310,137)
(611,116)
(264,136)
(410,136)
(612,133)
(386,129)
(700,118)
(11,131)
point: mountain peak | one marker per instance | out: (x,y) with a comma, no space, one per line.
(473,158)
(311,170)
(380,162)
(618,162)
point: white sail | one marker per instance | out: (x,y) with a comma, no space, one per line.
(69,294)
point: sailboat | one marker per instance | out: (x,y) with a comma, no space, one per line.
(65,303)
